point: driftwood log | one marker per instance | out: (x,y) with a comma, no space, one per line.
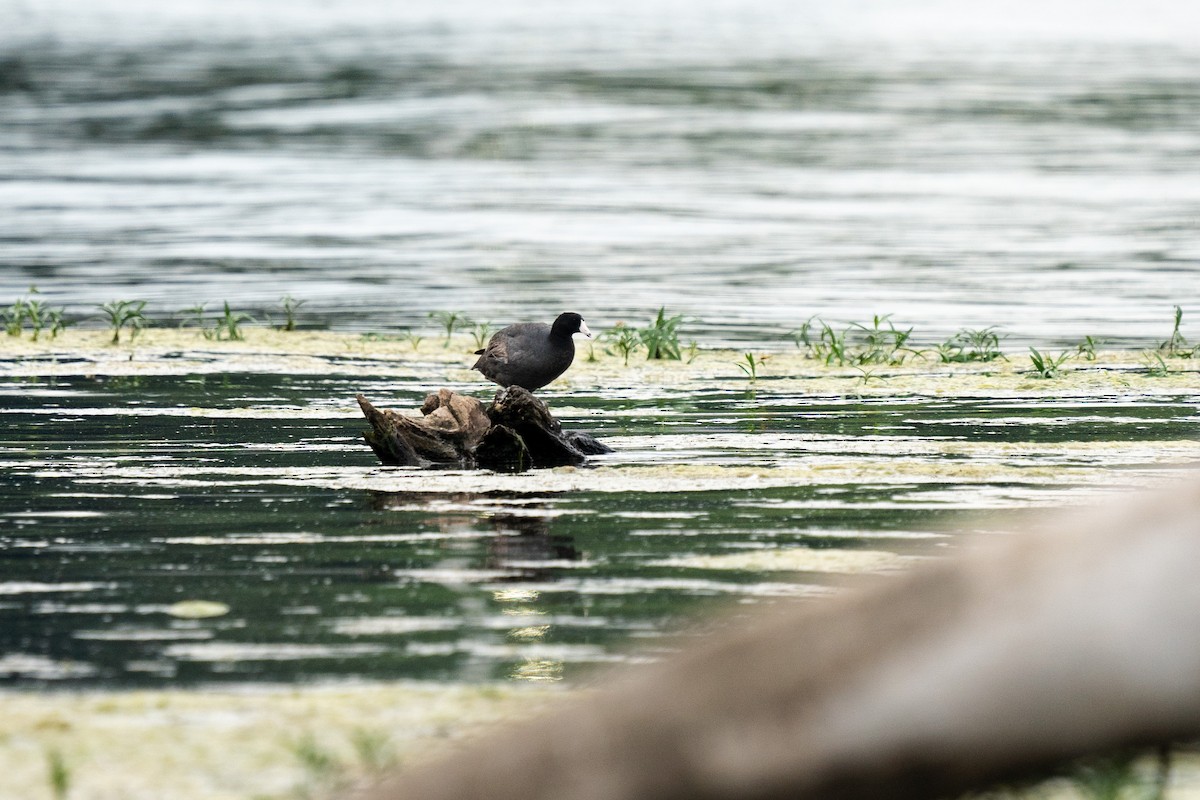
(514,433)
(1005,660)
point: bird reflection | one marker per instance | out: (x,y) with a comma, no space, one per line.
(523,547)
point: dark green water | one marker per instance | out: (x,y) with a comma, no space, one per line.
(123,496)
(748,165)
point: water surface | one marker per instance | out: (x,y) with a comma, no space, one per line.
(748,165)
(129,494)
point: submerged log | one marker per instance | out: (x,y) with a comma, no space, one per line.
(1078,638)
(513,434)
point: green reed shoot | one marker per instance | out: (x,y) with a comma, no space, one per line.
(1177,346)
(1154,365)
(881,345)
(1117,777)
(1087,348)
(450,320)
(750,364)
(59,774)
(1047,365)
(374,750)
(290,304)
(57,322)
(14,318)
(324,769)
(623,339)
(41,317)
(802,336)
(865,375)
(661,337)
(481,333)
(37,314)
(228,325)
(196,317)
(413,338)
(125,313)
(879,342)
(971,344)
(831,345)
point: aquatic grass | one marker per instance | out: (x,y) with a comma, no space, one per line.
(374,749)
(413,338)
(1154,365)
(802,336)
(59,774)
(880,342)
(325,771)
(290,304)
(125,313)
(1117,777)
(832,345)
(877,342)
(1048,365)
(865,375)
(450,321)
(14,318)
(661,336)
(1123,775)
(1177,346)
(970,345)
(406,335)
(1087,348)
(623,339)
(37,314)
(881,345)
(195,316)
(58,322)
(827,345)
(314,757)
(481,333)
(750,364)
(228,325)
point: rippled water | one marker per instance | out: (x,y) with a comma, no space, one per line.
(748,165)
(127,495)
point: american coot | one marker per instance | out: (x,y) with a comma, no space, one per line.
(531,354)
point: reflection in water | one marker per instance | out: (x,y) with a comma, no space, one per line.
(523,549)
(248,494)
(384,160)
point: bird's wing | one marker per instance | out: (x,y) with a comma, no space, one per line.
(497,348)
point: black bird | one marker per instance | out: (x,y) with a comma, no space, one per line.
(531,354)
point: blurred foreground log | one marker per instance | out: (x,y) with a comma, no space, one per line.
(1080,637)
(513,434)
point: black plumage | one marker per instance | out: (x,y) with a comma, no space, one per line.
(531,354)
